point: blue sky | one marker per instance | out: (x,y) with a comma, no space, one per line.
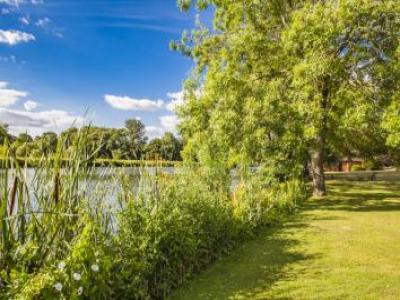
(59,58)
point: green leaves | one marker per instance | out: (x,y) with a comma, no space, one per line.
(75,245)
(391,124)
(279,75)
(185,5)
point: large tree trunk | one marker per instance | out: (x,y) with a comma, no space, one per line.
(317,168)
(317,155)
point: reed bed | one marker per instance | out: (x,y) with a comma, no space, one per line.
(63,238)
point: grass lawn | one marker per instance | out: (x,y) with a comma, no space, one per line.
(345,246)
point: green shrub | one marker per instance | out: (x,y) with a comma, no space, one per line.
(355,168)
(373,165)
(117,154)
(165,228)
(179,226)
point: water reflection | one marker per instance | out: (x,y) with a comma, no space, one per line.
(102,183)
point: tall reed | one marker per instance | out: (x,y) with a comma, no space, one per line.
(63,237)
(42,207)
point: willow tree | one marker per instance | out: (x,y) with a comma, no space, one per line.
(281,80)
(391,124)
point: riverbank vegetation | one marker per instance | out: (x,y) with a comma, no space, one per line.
(345,246)
(63,237)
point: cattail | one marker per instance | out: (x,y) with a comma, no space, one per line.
(13,196)
(56,188)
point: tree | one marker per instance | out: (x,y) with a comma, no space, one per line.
(117,144)
(46,143)
(154,149)
(24,150)
(21,143)
(136,137)
(167,148)
(69,137)
(23,138)
(391,124)
(3,133)
(283,80)
(171,147)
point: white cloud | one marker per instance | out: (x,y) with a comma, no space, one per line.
(17,3)
(176,99)
(34,123)
(24,20)
(43,22)
(9,96)
(153,132)
(169,123)
(127,103)
(48,26)
(8,59)
(30,105)
(38,122)
(13,37)
(12,2)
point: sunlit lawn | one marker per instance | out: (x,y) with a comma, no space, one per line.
(346,246)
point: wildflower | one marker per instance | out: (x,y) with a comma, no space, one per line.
(95,268)
(80,291)
(76,276)
(61,265)
(58,286)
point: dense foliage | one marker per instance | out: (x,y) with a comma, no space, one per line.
(128,143)
(63,237)
(277,84)
(292,80)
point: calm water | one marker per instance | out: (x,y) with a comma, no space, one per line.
(102,185)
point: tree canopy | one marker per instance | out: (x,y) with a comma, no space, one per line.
(283,81)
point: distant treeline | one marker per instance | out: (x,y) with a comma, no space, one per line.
(111,145)
(100,162)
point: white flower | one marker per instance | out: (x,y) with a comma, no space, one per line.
(61,265)
(80,291)
(76,276)
(95,268)
(58,286)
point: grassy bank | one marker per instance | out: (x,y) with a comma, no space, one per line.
(364,176)
(345,246)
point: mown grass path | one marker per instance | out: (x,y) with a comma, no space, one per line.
(346,246)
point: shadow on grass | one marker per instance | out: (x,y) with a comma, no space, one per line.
(251,269)
(359,197)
